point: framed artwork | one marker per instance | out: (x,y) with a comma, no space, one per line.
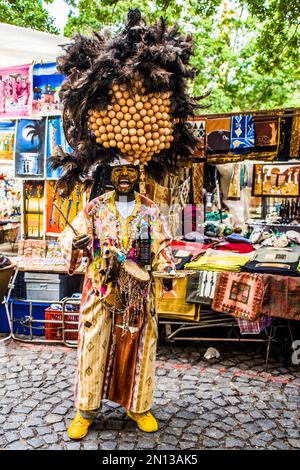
(15,91)
(46,82)
(276,180)
(30,148)
(7,139)
(33,213)
(70,206)
(55,137)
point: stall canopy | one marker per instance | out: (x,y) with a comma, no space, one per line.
(22,45)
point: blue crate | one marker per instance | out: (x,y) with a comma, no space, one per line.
(21,311)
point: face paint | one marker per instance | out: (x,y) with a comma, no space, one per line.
(124,178)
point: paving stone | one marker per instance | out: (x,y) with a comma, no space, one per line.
(294,443)
(108,445)
(36,443)
(231,442)
(26,433)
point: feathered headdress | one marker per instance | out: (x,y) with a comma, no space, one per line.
(141,63)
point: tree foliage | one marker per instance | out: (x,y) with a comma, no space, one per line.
(27,13)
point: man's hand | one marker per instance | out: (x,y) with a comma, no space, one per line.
(81,242)
(169,270)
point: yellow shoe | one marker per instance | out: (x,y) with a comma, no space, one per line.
(79,427)
(145,421)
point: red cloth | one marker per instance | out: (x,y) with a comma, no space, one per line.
(237,247)
(194,248)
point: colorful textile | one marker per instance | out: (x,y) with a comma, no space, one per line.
(198,176)
(201,287)
(235,247)
(198,125)
(218,134)
(171,303)
(214,260)
(15,91)
(30,148)
(111,363)
(295,137)
(242,132)
(266,131)
(283,261)
(7,139)
(55,138)
(240,295)
(46,85)
(281,296)
(254,327)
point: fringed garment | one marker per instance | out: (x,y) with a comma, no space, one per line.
(112,363)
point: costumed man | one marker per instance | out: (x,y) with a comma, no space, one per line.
(127,97)
(117,326)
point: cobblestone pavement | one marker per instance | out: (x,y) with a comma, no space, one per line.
(228,403)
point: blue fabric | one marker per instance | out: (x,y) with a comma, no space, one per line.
(235,238)
(242,132)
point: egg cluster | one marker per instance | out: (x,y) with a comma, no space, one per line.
(137,124)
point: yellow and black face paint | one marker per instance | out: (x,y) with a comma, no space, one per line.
(124,178)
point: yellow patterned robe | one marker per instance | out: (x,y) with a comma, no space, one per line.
(100,373)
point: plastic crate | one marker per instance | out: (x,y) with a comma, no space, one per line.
(53,331)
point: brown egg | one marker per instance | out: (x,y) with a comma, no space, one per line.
(99,121)
(90,112)
(155,108)
(120,144)
(147,128)
(114,122)
(132,110)
(162,138)
(143,90)
(106,145)
(136,117)
(171,138)
(116,107)
(118,137)
(167,131)
(160,123)
(139,124)
(127,116)
(94,126)
(106,120)
(112,143)
(148,158)
(143,147)
(153,119)
(158,116)
(119,115)
(98,140)
(162,109)
(161,146)
(155,135)
(111,136)
(144,99)
(148,135)
(122,102)
(115,87)
(150,112)
(109,128)
(147,105)
(103,112)
(126,139)
(161,130)
(129,102)
(139,105)
(136,148)
(165,116)
(140,132)
(142,140)
(104,137)
(110,92)
(132,131)
(156,142)
(146,119)
(159,101)
(124,131)
(111,114)
(167,145)
(143,112)
(149,143)
(124,109)
(117,129)
(126,95)
(133,139)
(131,123)
(153,100)
(155,127)
(123,123)
(102,129)
(127,147)
(97,133)
(138,83)
(119,95)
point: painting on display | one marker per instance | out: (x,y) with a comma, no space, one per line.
(7,139)
(15,91)
(70,206)
(33,197)
(46,85)
(55,137)
(276,180)
(30,148)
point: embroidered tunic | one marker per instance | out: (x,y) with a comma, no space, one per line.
(119,367)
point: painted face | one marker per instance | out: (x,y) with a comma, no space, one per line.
(124,178)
